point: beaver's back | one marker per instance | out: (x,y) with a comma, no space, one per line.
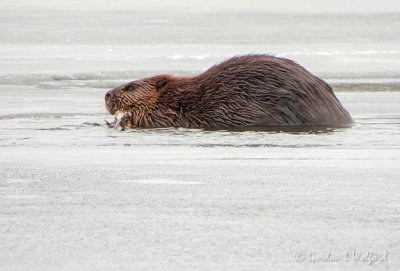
(264,90)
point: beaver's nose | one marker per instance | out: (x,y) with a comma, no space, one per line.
(108,94)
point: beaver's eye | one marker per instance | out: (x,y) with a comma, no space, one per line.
(161,84)
(129,87)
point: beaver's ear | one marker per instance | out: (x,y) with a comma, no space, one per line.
(161,84)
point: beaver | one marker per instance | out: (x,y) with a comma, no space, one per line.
(244,91)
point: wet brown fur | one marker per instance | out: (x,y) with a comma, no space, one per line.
(243,91)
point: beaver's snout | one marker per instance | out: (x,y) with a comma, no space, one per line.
(109,100)
(108,94)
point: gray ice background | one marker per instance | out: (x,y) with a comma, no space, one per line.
(79,197)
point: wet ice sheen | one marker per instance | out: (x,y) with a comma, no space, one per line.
(376,116)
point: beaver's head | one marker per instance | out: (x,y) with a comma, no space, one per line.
(149,102)
(137,96)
